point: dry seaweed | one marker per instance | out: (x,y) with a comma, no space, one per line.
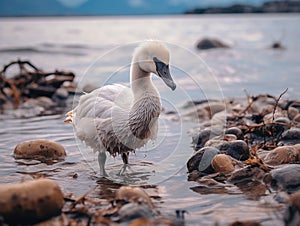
(29,82)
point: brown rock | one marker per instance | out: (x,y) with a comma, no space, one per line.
(31,201)
(222,163)
(283,155)
(40,149)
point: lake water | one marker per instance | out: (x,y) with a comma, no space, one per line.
(99,49)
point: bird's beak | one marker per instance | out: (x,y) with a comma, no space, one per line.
(163,71)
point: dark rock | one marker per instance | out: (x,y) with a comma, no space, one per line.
(204,135)
(201,160)
(286,178)
(290,137)
(277,129)
(209,43)
(277,45)
(237,149)
(236,131)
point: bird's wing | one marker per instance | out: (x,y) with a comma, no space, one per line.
(100,103)
(99,109)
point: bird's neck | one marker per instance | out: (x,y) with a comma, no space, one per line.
(146,107)
(141,83)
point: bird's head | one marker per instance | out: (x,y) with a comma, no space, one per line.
(153,57)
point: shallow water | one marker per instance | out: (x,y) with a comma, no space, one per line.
(97,50)
(158,166)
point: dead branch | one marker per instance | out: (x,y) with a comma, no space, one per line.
(276,103)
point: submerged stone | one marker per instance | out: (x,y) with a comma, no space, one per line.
(209,43)
(40,149)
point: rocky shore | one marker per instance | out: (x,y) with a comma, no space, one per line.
(267,7)
(242,146)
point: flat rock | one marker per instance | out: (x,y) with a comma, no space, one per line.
(40,149)
(286,178)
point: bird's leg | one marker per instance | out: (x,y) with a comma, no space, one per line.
(125,161)
(101,161)
(125,157)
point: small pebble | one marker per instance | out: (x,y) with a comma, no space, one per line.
(200,139)
(201,160)
(236,131)
(134,194)
(292,112)
(222,163)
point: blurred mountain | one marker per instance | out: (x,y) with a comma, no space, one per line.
(109,7)
(32,8)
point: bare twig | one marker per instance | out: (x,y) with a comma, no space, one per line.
(276,103)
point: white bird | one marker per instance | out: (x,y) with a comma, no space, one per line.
(119,119)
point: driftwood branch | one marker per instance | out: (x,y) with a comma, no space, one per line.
(29,82)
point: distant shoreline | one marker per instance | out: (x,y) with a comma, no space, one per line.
(268,7)
(147,15)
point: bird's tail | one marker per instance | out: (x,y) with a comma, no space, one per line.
(69,117)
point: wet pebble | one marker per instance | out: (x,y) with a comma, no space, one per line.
(290,137)
(40,149)
(285,178)
(292,112)
(202,137)
(235,131)
(131,211)
(222,163)
(283,155)
(297,118)
(134,194)
(237,149)
(292,213)
(30,201)
(201,160)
